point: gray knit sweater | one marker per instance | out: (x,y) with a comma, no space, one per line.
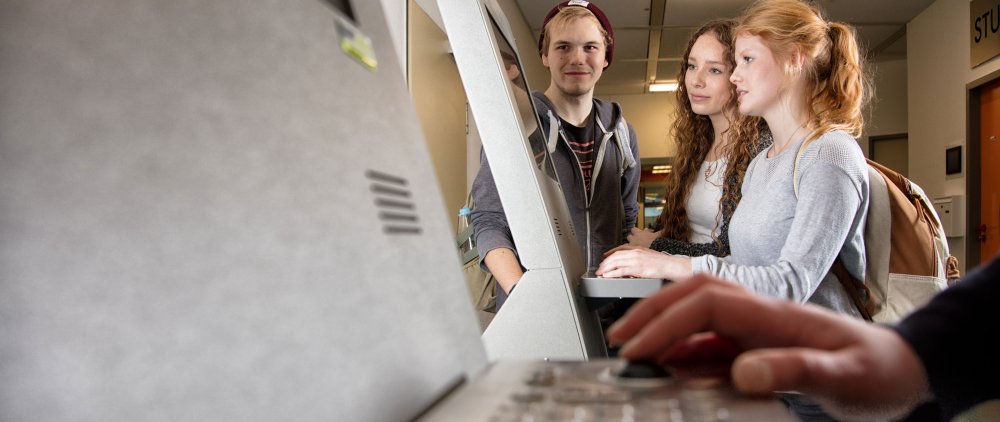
(782,245)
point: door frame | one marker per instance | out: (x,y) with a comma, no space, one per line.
(973,176)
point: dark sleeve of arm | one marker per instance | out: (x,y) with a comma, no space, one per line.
(489,223)
(630,184)
(952,337)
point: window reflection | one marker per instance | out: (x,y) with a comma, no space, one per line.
(522,97)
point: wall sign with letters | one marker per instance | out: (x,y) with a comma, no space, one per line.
(984,21)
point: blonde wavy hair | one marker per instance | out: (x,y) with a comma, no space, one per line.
(837,84)
(694,135)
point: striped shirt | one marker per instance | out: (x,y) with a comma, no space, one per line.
(583,143)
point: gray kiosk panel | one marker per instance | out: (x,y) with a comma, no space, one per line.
(210,211)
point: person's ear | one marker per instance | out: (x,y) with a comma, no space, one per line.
(545,59)
(796,61)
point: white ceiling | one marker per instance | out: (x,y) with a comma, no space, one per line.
(881,25)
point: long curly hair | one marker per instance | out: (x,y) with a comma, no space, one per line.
(694,135)
(838,86)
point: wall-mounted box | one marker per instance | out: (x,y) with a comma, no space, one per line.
(953,160)
(951,211)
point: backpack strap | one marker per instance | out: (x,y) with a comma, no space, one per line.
(795,169)
(878,237)
(859,292)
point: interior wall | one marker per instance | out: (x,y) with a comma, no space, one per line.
(651,115)
(939,54)
(889,106)
(892,153)
(887,112)
(439,98)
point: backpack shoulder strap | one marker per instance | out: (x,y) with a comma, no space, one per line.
(860,293)
(795,169)
(878,237)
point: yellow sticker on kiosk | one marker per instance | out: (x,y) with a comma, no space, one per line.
(356,44)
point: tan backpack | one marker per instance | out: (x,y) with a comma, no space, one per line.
(906,251)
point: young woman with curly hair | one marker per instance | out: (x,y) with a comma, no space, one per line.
(714,147)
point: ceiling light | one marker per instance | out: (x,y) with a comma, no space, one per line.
(662,168)
(663,87)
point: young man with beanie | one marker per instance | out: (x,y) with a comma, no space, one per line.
(576,45)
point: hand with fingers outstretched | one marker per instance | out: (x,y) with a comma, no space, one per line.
(637,261)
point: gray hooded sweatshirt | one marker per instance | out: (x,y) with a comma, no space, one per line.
(602,219)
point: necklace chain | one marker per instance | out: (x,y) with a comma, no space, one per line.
(715,151)
(793,133)
(787,141)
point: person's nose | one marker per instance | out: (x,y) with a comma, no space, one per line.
(698,79)
(736,76)
(577,56)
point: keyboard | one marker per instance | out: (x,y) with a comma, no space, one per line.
(598,390)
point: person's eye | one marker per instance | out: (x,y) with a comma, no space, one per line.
(747,59)
(716,71)
(690,67)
